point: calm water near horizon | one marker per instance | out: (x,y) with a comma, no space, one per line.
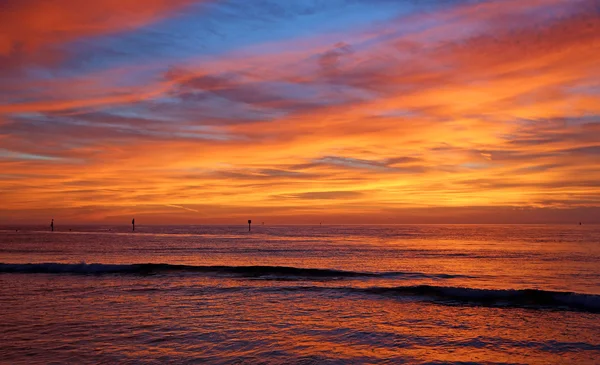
(414,294)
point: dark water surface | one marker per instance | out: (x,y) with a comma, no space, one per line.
(301,295)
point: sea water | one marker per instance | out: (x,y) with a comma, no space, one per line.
(421,294)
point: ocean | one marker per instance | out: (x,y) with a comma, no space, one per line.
(395,294)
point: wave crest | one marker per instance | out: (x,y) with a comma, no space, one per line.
(247,271)
(525,298)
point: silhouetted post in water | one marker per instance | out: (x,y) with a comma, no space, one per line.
(249,225)
(52,225)
(579,223)
(133,225)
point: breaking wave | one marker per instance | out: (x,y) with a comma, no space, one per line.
(524,298)
(246,271)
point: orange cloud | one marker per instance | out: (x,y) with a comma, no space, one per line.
(26,26)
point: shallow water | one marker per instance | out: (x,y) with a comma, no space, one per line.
(333,294)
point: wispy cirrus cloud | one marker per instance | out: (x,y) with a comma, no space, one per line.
(28,26)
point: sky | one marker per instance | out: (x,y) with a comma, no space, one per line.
(299,111)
